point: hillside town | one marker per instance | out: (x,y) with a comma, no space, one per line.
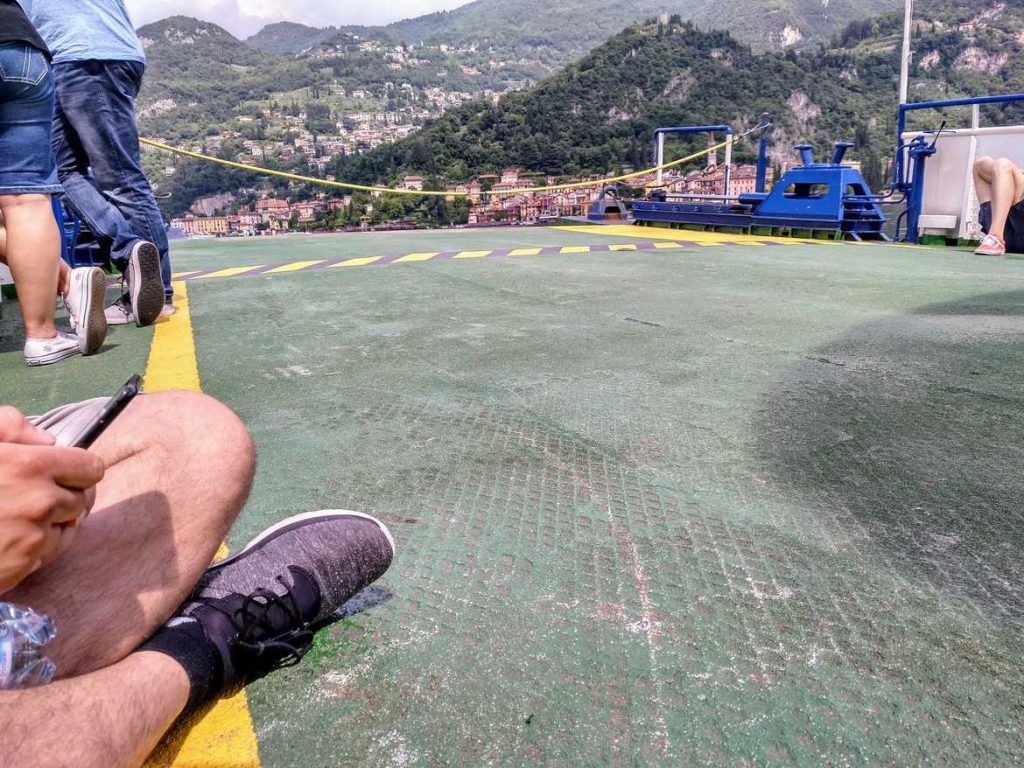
(287,132)
(309,131)
(493,199)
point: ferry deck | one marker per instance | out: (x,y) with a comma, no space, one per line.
(660,497)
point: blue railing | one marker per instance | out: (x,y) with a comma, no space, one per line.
(900,181)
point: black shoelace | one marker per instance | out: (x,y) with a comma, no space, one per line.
(252,619)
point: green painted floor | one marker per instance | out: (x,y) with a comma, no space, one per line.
(728,505)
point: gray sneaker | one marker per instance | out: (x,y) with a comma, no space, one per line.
(145,286)
(260,607)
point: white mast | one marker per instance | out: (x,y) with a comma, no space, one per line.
(908,23)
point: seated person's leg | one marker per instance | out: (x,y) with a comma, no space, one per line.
(249,615)
(179,466)
(109,719)
(1000,187)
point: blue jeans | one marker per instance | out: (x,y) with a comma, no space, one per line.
(26,121)
(96,142)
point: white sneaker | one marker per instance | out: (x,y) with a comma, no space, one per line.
(48,351)
(86,291)
(120,312)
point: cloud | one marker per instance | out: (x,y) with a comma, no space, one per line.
(245,17)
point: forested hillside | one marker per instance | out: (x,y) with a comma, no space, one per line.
(197,74)
(555,32)
(600,113)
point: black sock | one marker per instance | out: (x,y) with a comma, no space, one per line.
(185,641)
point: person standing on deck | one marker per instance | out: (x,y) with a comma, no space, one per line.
(29,237)
(98,64)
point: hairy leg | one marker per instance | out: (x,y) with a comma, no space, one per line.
(180,466)
(108,719)
(33,253)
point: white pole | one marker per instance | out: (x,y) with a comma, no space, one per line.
(908,23)
(728,165)
(661,158)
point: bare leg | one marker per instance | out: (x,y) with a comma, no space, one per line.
(984,171)
(180,467)
(33,251)
(1000,183)
(63,278)
(63,281)
(109,719)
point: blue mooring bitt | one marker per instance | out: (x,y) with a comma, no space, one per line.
(816,197)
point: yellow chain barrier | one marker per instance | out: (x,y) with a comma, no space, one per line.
(436,193)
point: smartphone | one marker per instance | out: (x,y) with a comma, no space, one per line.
(114,408)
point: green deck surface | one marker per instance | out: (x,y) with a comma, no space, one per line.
(728,505)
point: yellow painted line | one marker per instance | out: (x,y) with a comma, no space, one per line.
(416,257)
(179,275)
(622,247)
(473,254)
(576,249)
(526,252)
(224,736)
(230,272)
(298,266)
(172,358)
(669,245)
(689,236)
(358,262)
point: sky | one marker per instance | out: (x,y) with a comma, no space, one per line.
(245,17)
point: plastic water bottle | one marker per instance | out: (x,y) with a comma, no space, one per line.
(23,634)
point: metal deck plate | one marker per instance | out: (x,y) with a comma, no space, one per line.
(725,505)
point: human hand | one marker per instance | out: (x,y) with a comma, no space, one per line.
(15,428)
(45,492)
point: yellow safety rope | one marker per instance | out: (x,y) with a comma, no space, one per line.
(436,193)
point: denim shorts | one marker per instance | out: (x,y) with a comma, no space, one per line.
(27,164)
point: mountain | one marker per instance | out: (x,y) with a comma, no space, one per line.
(573,28)
(310,114)
(559,31)
(198,74)
(288,37)
(600,113)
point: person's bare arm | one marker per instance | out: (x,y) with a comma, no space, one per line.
(45,492)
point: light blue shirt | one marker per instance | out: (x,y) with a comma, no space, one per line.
(80,30)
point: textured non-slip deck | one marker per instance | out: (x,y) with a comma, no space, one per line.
(714,505)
